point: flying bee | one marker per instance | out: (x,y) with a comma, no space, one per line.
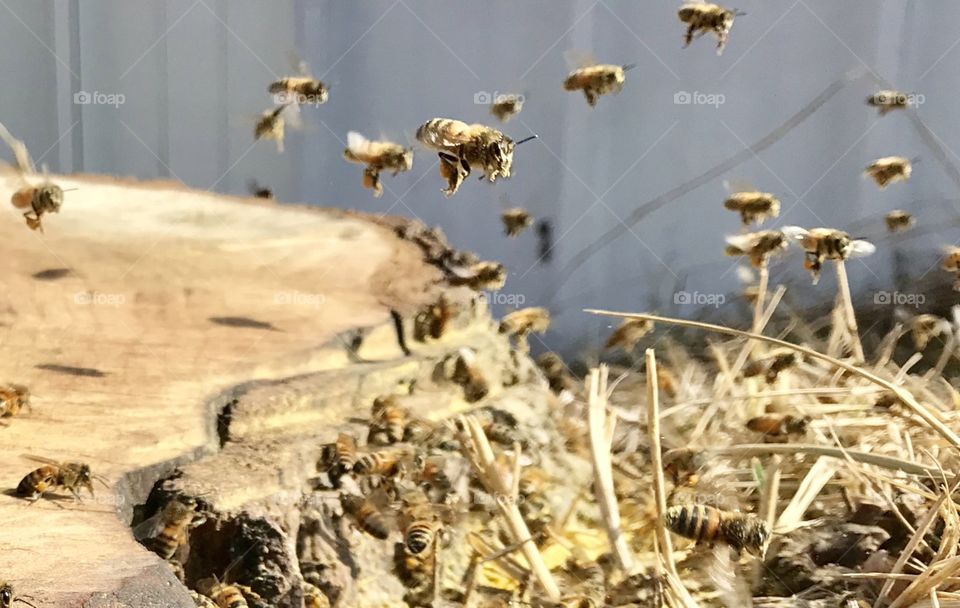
(924,328)
(597,80)
(339,458)
(313,597)
(526,320)
(464,147)
(557,373)
(827,243)
(259,191)
(704,17)
(888,100)
(951,263)
(377,156)
(166,532)
(898,220)
(272,123)
(889,170)
(433,321)
(13,398)
(462,369)
(505,107)
(481,276)
(515,221)
(7,598)
(704,523)
(759,246)
(367,516)
(38,199)
(388,462)
(388,419)
(753,207)
(70,476)
(779,425)
(300,89)
(629,334)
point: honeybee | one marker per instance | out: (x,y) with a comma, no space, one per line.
(481,276)
(259,191)
(70,476)
(40,199)
(753,207)
(313,597)
(272,123)
(388,462)
(7,598)
(772,365)
(889,170)
(421,528)
(827,243)
(300,89)
(597,80)
(167,531)
(505,107)
(925,327)
(556,372)
(339,458)
(704,17)
(888,100)
(704,523)
(388,419)
(462,369)
(13,398)
(779,425)
(951,263)
(202,601)
(629,334)
(515,221)
(759,246)
(433,321)
(526,320)
(368,517)
(377,156)
(898,220)
(463,147)
(226,595)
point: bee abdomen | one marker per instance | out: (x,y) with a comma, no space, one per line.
(419,536)
(36,482)
(696,522)
(377,463)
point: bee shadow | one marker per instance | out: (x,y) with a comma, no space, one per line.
(87,372)
(243,322)
(52,274)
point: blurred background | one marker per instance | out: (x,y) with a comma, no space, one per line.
(632,188)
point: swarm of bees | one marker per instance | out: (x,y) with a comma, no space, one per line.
(888,100)
(821,244)
(505,107)
(706,17)
(753,207)
(898,221)
(889,170)
(597,80)
(377,156)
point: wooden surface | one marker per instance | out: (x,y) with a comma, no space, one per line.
(141,304)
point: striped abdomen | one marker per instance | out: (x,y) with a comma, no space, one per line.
(368,517)
(38,481)
(228,596)
(345,455)
(383,462)
(419,536)
(696,522)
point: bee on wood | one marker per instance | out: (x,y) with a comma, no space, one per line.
(827,243)
(434,320)
(38,199)
(167,531)
(7,598)
(515,221)
(888,100)
(13,398)
(779,425)
(481,276)
(313,597)
(889,170)
(71,476)
(377,156)
(505,107)
(898,221)
(705,17)
(597,80)
(387,462)
(951,263)
(704,523)
(388,420)
(464,147)
(300,89)
(462,369)
(753,207)
(758,246)
(339,458)
(629,334)
(259,191)
(272,123)
(367,516)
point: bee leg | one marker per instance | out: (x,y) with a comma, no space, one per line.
(688,37)
(401,336)
(449,170)
(591,97)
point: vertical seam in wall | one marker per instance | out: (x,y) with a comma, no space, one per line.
(223,122)
(163,97)
(76,111)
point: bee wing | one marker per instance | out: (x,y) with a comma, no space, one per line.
(291,114)
(149,527)
(746,275)
(297,64)
(579,58)
(861,248)
(794,233)
(41,459)
(357,143)
(741,241)
(456,133)
(19,149)
(738,185)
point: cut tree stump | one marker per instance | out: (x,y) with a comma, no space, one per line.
(132,319)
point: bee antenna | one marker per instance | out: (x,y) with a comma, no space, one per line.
(23,601)
(526,139)
(628,67)
(738,13)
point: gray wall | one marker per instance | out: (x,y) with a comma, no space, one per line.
(193,74)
